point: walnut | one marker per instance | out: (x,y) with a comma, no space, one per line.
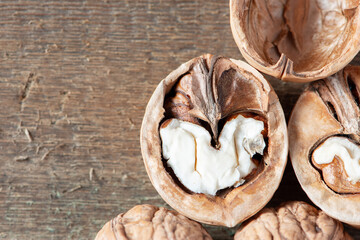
(297,40)
(292,220)
(324,144)
(149,222)
(214,140)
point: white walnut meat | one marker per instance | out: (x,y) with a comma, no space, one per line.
(187,150)
(292,220)
(324,144)
(205,95)
(146,222)
(297,40)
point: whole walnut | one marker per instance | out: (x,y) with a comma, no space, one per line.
(150,222)
(292,220)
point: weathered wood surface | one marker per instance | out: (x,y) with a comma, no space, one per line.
(75,77)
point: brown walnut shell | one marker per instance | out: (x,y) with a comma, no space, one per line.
(296,40)
(327,108)
(238,88)
(292,220)
(146,222)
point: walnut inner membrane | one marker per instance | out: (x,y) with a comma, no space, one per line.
(337,157)
(311,33)
(214,122)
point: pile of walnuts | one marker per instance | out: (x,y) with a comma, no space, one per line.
(215,141)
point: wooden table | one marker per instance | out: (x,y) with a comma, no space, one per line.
(75,77)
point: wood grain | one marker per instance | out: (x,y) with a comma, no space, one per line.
(75,77)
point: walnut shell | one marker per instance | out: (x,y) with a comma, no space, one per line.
(327,108)
(292,220)
(248,92)
(144,222)
(296,40)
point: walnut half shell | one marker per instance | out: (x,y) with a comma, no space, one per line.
(208,91)
(328,112)
(292,220)
(146,222)
(297,40)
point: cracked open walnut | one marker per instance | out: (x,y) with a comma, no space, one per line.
(324,144)
(214,140)
(297,40)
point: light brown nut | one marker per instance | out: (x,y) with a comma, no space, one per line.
(292,220)
(297,40)
(208,91)
(328,110)
(145,222)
